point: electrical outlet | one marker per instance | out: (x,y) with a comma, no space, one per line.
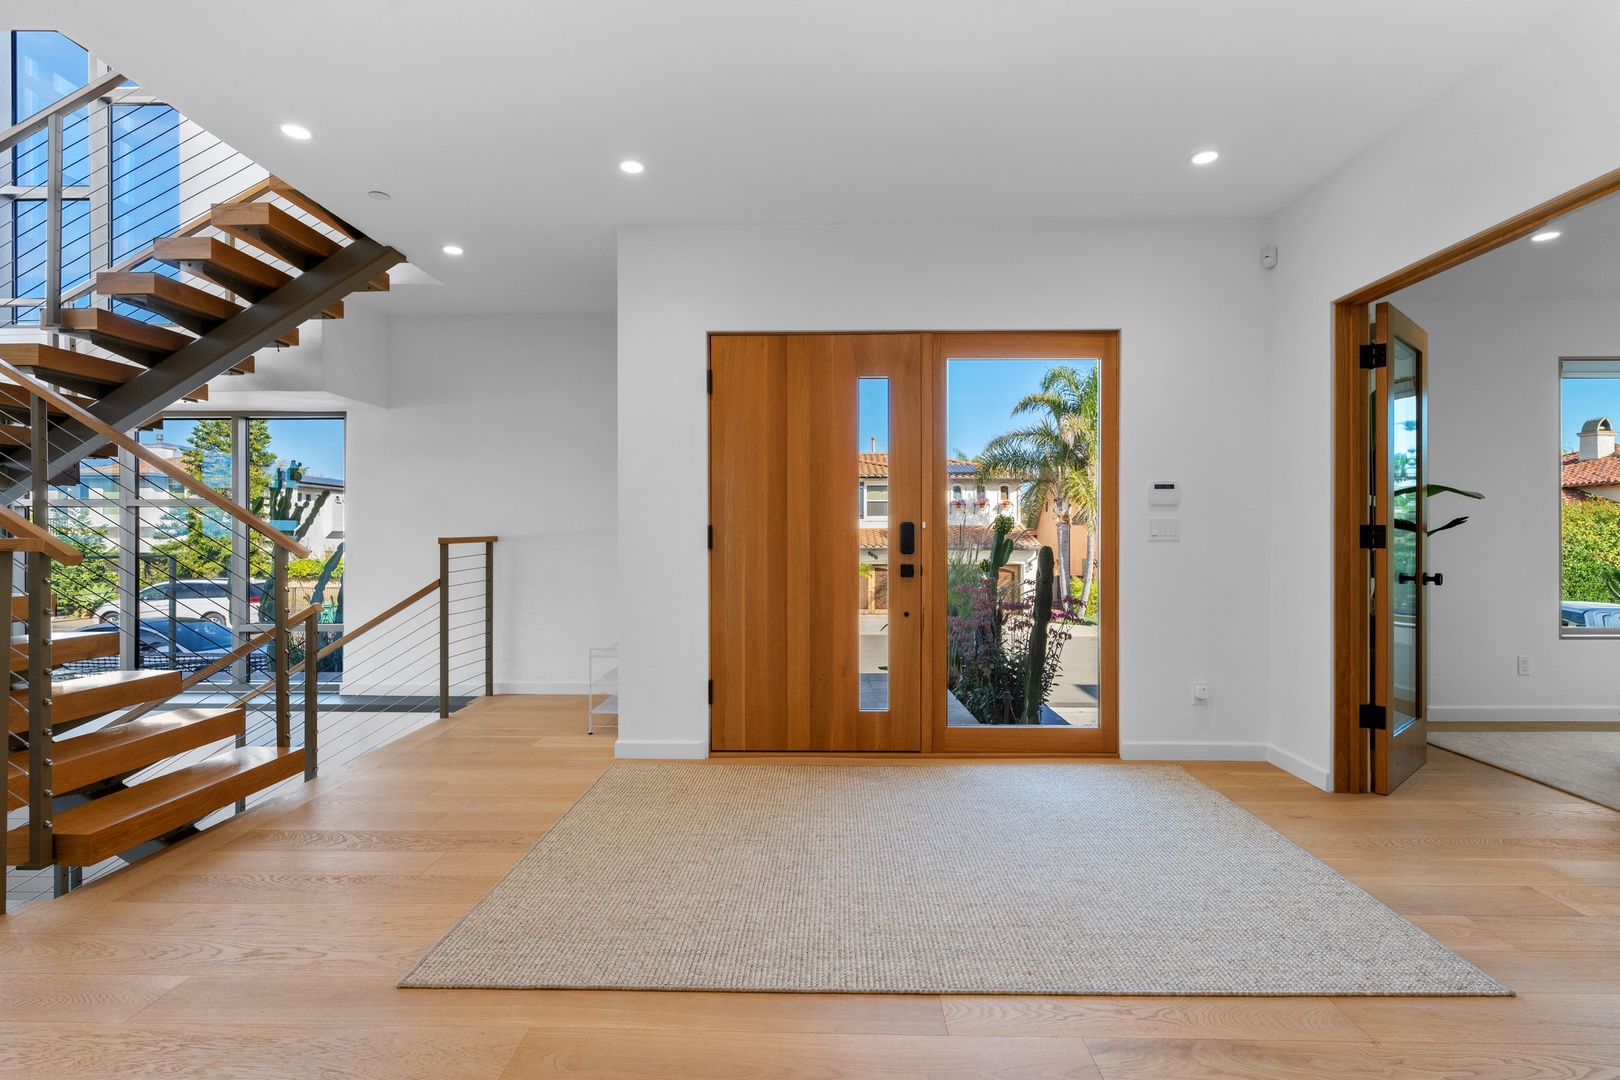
(1200,692)
(1524,665)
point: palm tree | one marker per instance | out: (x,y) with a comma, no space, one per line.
(1056,458)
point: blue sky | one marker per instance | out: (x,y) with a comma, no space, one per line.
(1584,399)
(980,399)
(317,444)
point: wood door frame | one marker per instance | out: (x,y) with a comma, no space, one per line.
(1351,611)
(1103,347)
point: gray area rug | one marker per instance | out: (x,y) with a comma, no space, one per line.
(1584,763)
(938,879)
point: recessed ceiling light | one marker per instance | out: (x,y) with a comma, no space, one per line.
(632,167)
(1543,237)
(295,131)
(380,196)
(1204,157)
(451,249)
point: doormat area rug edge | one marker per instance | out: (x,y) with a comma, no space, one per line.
(937,879)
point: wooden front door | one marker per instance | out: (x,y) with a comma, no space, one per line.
(797,662)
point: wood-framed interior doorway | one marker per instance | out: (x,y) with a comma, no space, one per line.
(1352,763)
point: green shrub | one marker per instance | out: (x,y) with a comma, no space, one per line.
(1591,549)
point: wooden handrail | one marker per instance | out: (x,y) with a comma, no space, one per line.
(169,469)
(468,539)
(344,640)
(31,537)
(19,131)
(243,649)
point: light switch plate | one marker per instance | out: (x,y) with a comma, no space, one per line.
(1164,528)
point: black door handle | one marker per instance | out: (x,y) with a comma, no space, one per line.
(908,538)
(1405,579)
(1434,579)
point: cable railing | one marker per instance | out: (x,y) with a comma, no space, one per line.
(369,683)
(114,181)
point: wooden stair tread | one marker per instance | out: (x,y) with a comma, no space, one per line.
(272,229)
(66,649)
(15,399)
(123,748)
(15,435)
(92,695)
(100,829)
(142,342)
(212,259)
(19,605)
(75,370)
(182,304)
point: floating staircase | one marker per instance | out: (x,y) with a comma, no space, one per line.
(216,298)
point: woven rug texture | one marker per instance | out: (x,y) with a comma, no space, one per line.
(1584,763)
(936,879)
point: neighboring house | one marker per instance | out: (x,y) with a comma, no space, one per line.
(972,506)
(327,532)
(1593,471)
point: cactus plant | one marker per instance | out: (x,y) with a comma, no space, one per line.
(1035,674)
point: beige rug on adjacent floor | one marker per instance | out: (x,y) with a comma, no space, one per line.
(938,879)
(1584,763)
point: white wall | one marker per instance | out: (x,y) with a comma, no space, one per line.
(1190,299)
(1494,428)
(1530,125)
(494,425)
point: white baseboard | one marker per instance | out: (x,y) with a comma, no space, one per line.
(572,688)
(1191,751)
(1521,714)
(1291,763)
(649,748)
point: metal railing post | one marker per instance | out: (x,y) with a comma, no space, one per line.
(489,618)
(312,666)
(278,560)
(50,316)
(40,794)
(444,629)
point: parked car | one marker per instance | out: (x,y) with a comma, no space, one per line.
(194,598)
(196,644)
(1591,614)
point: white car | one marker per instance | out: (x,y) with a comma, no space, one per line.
(194,598)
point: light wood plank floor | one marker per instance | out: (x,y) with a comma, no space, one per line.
(269,947)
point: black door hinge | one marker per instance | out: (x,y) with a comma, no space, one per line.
(1373,717)
(711,691)
(711,380)
(1374,537)
(711,537)
(1375,355)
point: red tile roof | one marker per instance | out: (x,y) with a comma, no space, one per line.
(1598,472)
(870,466)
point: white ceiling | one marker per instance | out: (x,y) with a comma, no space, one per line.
(1583,263)
(499,125)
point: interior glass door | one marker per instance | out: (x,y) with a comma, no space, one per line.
(1401,577)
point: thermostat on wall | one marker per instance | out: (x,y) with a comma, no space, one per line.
(1164,493)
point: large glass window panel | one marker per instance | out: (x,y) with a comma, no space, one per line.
(45,68)
(1028,432)
(1589,503)
(28,264)
(145,175)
